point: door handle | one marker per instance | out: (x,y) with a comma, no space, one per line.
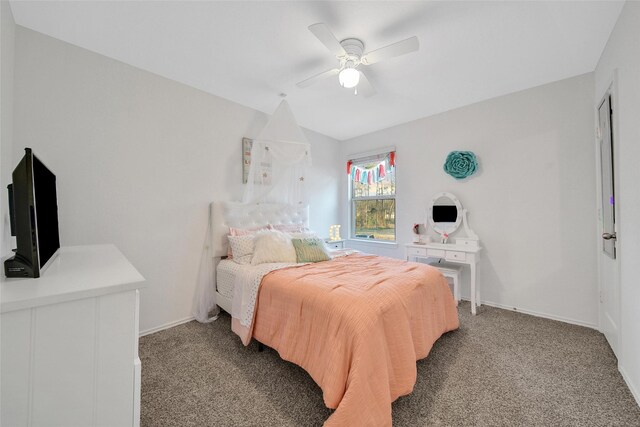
(609,236)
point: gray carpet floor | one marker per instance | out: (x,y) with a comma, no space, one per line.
(500,368)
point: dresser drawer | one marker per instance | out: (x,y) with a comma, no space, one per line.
(436,253)
(417,251)
(455,256)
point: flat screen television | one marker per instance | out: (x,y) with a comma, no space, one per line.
(445,213)
(33,207)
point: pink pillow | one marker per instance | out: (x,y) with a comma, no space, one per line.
(243,232)
(290,228)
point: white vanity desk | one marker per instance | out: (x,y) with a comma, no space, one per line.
(457,254)
(445,215)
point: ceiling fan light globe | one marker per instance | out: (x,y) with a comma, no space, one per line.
(349,77)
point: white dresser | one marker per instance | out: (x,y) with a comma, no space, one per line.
(69,354)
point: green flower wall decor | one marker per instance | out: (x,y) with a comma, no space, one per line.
(461,164)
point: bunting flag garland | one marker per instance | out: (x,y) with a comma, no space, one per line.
(372,174)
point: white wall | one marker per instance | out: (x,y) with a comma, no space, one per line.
(622,53)
(531,203)
(7,39)
(138,159)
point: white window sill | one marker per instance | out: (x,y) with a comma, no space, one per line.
(370,242)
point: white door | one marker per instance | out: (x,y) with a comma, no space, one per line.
(609,311)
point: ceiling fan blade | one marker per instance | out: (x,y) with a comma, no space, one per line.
(364,87)
(326,37)
(396,49)
(312,80)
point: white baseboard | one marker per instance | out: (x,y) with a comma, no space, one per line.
(632,388)
(489,303)
(544,315)
(166,326)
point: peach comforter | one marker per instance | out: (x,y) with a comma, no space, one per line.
(357,324)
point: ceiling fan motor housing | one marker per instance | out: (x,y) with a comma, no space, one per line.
(354,49)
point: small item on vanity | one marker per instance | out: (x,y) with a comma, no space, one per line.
(445,237)
(416,233)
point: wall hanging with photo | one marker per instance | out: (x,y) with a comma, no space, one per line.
(263,175)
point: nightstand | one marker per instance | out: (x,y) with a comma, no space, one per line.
(334,244)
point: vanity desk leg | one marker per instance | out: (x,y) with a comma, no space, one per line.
(475,274)
(474,294)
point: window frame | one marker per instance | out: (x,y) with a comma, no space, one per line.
(357,159)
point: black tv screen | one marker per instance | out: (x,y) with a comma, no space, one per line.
(33,206)
(44,186)
(445,213)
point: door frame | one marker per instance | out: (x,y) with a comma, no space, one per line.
(611,91)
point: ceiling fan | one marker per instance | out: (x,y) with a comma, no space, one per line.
(350,54)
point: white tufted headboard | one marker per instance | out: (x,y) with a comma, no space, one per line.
(243,215)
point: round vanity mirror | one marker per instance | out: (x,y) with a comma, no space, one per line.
(445,213)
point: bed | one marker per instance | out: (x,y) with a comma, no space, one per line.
(240,215)
(357,323)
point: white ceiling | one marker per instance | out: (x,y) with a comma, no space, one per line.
(250,52)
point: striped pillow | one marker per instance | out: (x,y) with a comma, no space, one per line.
(310,250)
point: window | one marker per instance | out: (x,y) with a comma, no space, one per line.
(373,197)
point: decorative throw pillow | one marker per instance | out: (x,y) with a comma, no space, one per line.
(242,247)
(273,246)
(243,232)
(310,250)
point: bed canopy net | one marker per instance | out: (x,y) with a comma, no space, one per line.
(280,162)
(280,158)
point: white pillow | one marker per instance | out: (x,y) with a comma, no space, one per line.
(242,248)
(272,246)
